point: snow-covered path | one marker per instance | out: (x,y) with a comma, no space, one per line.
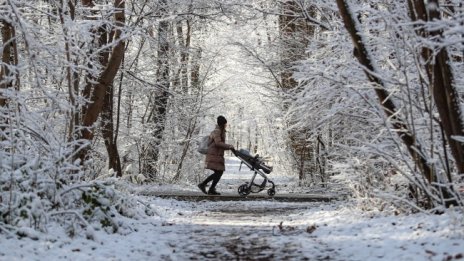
(238,231)
(307,231)
(253,230)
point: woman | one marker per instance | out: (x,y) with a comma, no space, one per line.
(215,156)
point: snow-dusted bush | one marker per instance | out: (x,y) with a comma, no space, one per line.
(41,183)
(96,206)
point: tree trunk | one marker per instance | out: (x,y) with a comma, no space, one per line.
(195,80)
(114,161)
(8,78)
(190,130)
(294,34)
(105,80)
(186,58)
(184,46)
(72,76)
(320,158)
(288,32)
(161,98)
(107,114)
(440,75)
(399,125)
(183,76)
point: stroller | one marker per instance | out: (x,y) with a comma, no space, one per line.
(256,164)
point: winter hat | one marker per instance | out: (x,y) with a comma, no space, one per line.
(221,120)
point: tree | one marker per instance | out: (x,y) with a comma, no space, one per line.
(9,78)
(104,83)
(440,76)
(295,33)
(157,114)
(391,111)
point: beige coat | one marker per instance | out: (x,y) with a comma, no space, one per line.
(215,155)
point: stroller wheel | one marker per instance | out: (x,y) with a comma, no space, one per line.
(271,192)
(243,190)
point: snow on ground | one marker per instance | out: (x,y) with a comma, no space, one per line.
(255,230)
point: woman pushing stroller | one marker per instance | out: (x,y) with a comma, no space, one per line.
(215,156)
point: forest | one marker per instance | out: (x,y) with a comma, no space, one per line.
(97,96)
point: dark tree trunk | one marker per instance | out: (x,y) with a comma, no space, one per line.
(114,161)
(106,78)
(184,46)
(291,48)
(8,78)
(195,80)
(440,75)
(184,88)
(161,98)
(320,158)
(295,32)
(72,75)
(107,115)
(188,136)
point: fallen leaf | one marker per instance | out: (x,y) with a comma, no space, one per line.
(310,229)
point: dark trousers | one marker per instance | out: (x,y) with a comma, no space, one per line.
(215,177)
